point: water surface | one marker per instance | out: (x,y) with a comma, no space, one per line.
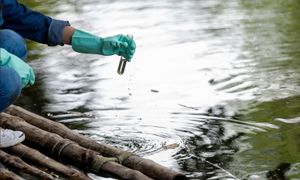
(220,80)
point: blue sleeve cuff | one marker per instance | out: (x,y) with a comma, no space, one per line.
(55,32)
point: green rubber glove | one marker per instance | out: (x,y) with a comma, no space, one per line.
(121,45)
(24,70)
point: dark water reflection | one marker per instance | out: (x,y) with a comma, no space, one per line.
(219,79)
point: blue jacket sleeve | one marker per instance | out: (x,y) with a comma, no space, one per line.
(31,24)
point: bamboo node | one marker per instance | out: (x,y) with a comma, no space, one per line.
(125,155)
(100,161)
(60,146)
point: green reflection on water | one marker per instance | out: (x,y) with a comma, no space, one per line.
(266,150)
(272,37)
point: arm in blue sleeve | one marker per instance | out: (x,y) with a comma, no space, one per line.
(32,25)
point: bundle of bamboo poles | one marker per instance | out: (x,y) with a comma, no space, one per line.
(68,152)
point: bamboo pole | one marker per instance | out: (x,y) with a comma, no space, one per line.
(36,157)
(19,165)
(146,166)
(8,175)
(67,150)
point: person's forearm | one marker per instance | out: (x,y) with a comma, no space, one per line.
(84,42)
(67,34)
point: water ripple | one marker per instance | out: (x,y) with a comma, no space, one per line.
(184,100)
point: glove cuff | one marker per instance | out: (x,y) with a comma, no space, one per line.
(84,42)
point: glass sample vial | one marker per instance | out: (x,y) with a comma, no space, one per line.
(123,61)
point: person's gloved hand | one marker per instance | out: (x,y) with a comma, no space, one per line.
(121,45)
(24,70)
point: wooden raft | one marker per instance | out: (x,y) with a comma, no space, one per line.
(53,151)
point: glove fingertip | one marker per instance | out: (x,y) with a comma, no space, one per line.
(132,51)
(32,81)
(31,77)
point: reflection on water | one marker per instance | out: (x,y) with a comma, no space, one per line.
(220,80)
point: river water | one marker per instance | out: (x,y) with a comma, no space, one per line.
(212,91)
